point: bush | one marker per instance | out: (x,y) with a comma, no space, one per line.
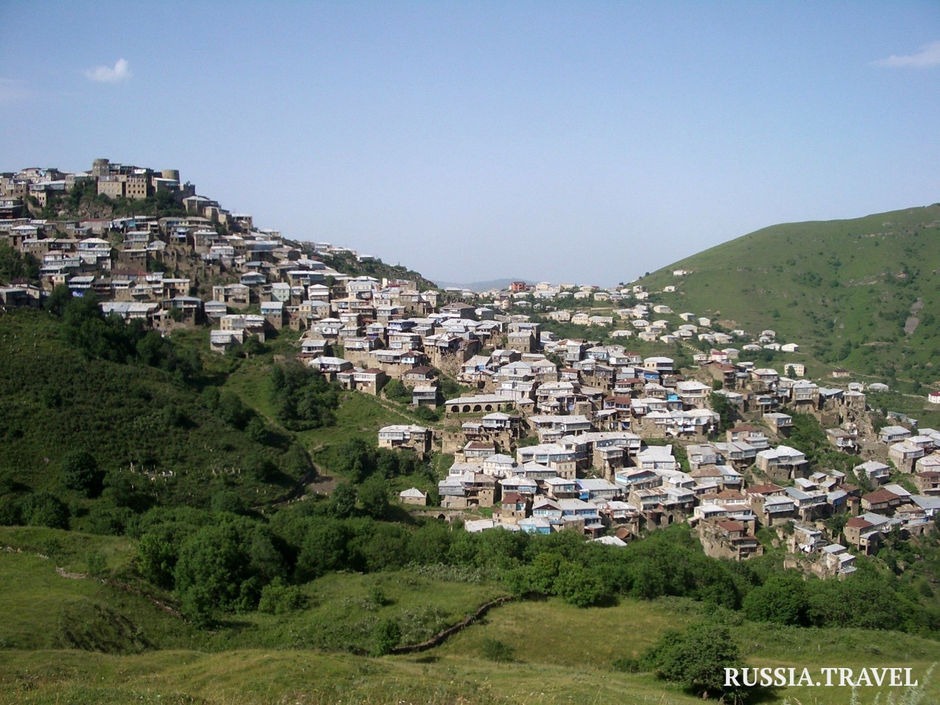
(343,501)
(11,511)
(580,586)
(302,398)
(696,659)
(373,495)
(157,553)
(782,599)
(496,650)
(44,509)
(396,391)
(224,566)
(280,598)
(426,413)
(323,549)
(80,472)
(385,637)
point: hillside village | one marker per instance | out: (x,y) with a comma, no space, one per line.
(548,432)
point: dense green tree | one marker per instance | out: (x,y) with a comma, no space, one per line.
(696,659)
(297,462)
(867,600)
(302,398)
(86,328)
(379,545)
(124,488)
(430,543)
(373,495)
(11,510)
(45,509)
(539,577)
(727,413)
(15,265)
(80,472)
(580,586)
(323,549)
(256,430)
(228,501)
(233,411)
(783,599)
(224,566)
(157,552)
(343,501)
(104,518)
(58,299)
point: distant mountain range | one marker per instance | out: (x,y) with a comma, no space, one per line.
(861,293)
(484,285)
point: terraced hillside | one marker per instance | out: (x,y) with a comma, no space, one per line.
(862,294)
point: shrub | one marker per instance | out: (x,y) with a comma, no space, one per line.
(696,659)
(782,599)
(80,472)
(280,598)
(496,650)
(44,509)
(385,637)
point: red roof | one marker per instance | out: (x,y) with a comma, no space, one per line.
(731,525)
(858,523)
(513,498)
(764,489)
(879,496)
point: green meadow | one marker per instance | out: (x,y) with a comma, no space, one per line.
(68,638)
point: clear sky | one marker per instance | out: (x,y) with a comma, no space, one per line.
(565,141)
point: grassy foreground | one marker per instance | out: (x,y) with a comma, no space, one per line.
(125,649)
(305,677)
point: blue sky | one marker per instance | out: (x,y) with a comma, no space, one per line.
(580,141)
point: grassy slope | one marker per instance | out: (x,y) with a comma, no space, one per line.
(53,401)
(306,678)
(359,416)
(135,652)
(343,608)
(842,289)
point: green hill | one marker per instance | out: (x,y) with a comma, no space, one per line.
(105,420)
(150,434)
(68,637)
(862,293)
